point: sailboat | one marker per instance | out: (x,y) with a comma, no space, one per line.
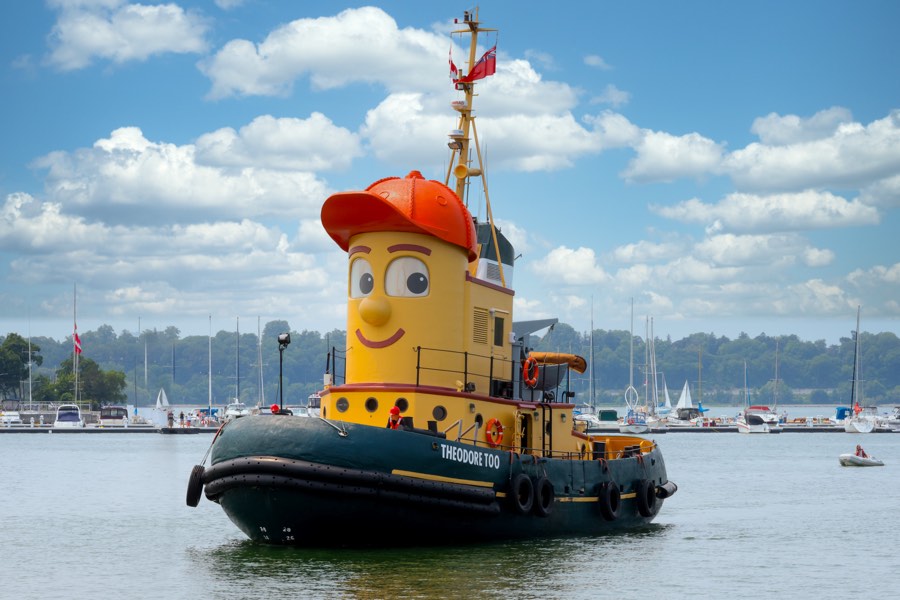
(665,407)
(635,419)
(686,414)
(485,448)
(162,401)
(863,419)
(656,419)
(236,408)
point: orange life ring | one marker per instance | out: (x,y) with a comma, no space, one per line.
(529,377)
(494,433)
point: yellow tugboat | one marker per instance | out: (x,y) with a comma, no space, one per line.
(440,425)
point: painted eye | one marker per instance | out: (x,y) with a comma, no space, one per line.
(361,281)
(406,276)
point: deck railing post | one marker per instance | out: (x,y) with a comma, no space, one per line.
(418,363)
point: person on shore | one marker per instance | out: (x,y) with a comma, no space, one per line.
(394,419)
(170,419)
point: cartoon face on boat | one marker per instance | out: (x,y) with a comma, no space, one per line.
(409,241)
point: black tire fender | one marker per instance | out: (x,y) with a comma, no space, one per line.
(521,493)
(645,497)
(610,500)
(195,486)
(544,496)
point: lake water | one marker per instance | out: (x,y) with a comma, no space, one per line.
(103,516)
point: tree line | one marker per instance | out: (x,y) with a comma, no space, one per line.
(120,368)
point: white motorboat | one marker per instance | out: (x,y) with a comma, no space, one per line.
(68,416)
(236,409)
(113,416)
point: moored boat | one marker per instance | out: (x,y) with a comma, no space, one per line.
(486,447)
(113,416)
(68,416)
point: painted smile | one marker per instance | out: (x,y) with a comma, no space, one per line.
(383,343)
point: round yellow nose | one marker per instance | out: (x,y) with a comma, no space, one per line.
(375,311)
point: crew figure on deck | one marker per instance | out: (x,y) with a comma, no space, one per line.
(394,419)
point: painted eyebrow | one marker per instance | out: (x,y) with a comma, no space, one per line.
(359,249)
(412,247)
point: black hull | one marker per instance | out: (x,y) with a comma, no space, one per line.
(300,481)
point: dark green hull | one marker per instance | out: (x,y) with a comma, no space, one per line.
(305,481)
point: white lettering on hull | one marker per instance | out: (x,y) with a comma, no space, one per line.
(468,456)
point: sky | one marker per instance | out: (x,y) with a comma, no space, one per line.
(732,167)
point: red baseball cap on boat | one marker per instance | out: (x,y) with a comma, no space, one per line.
(395,410)
(412,204)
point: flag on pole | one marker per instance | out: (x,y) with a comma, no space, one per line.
(77,340)
(485,66)
(454,72)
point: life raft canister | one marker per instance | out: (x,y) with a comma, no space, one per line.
(530,371)
(494,433)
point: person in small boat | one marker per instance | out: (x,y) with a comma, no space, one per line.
(394,419)
(860,452)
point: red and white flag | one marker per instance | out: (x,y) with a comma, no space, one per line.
(454,72)
(486,66)
(77,340)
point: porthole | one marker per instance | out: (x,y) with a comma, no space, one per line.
(342,404)
(480,420)
(371,404)
(402,404)
(439,413)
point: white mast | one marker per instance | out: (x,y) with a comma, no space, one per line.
(591,369)
(30,399)
(209,368)
(75,336)
(262,397)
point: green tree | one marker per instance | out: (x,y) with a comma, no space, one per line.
(14,363)
(96,386)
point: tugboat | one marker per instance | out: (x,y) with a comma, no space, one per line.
(437,424)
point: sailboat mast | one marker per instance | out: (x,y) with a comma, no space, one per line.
(854,386)
(775,392)
(237,362)
(631,349)
(209,367)
(30,399)
(591,354)
(74,336)
(262,397)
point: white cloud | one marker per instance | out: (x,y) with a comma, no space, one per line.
(572,267)
(356,45)
(883,194)
(645,251)
(126,175)
(613,96)
(112,30)
(853,155)
(592,60)
(778,212)
(614,130)
(313,144)
(777,130)
(665,157)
